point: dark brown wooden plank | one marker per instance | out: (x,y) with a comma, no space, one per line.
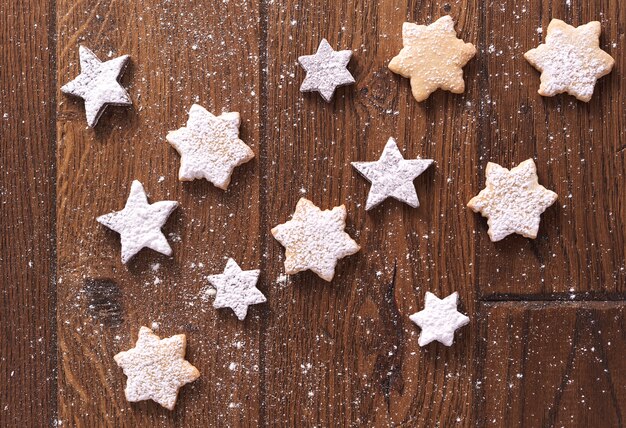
(181,53)
(27,323)
(579,150)
(553,364)
(346,352)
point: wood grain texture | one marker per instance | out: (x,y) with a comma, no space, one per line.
(349,346)
(27,182)
(181,53)
(553,364)
(316,354)
(579,151)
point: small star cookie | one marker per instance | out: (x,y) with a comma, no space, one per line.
(209,146)
(156,368)
(392,176)
(326,70)
(139,223)
(432,57)
(439,319)
(512,200)
(236,289)
(98,84)
(571,60)
(315,239)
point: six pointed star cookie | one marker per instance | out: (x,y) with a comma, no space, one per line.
(236,289)
(315,239)
(439,319)
(432,57)
(512,200)
(209,146)
(139,223)
(98,84)
(571,60)
(326,70)
(392,176)
(156,368)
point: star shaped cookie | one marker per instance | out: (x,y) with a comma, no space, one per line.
(315,239)
(326,70)
(209,146)
(98,84)
(512,201)
(571,60)
(236,289)
(432,57)
(439,319)
(392,176)
(139,223)
(156,368)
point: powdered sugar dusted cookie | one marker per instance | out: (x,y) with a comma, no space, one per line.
(392,176)
(326,70)
(315,239)
(236,289)
(98,84)
(432,57)
(571,60)
(209,146)
(156,368)
(439,319)
(512,200)
(139,223)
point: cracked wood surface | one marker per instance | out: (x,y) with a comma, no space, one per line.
(339,354)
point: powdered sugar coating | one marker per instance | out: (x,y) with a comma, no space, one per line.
(326,70)
(392,176)
(209,146)
(98,84)
(571,60)
(236,289)
(432,57)
(315,239)
(513,201)
(139,223)
(439,319)
(156,368)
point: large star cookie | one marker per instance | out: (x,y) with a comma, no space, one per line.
(236,289)
(98,84)
(156,368)
(439,319)
(512,200)
(392,176)
(315,239)
(139,223)
(571,60)
(209,146)
(326,70)
(432,57)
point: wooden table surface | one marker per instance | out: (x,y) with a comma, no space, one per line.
(547,337)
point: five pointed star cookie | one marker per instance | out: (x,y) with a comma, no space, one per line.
(98,84)
(571,60)
(512,200)
(156,368)
(392,176)
(139,223)
(236,289)
(315,239)
(326,70)
(439,319)
(432,57)
(209,146)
